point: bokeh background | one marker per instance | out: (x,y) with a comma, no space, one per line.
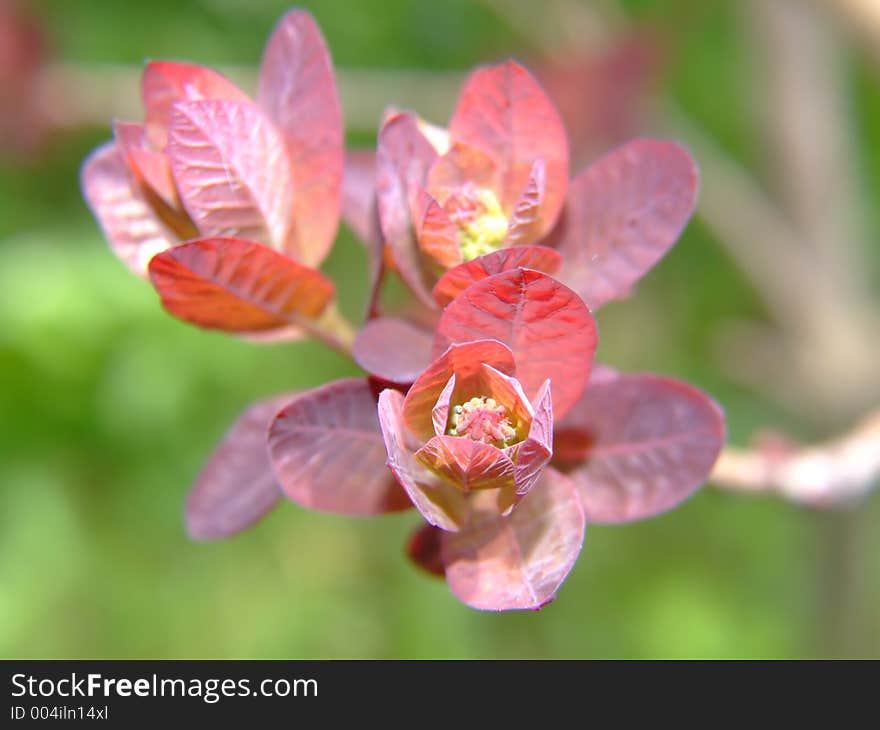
(108,407)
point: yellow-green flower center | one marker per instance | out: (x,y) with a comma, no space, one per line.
(482,419)
(482,225)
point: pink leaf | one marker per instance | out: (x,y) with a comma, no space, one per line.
(637,445)
(133,230)
(517,562)
(393,349)
(466,463)
(460,166)
(403,158)
(440,503)
(545,324)
(456,280)
(524,224)
(466,362)
(298,92)
(504,111)
(231,170)
(237,486)
(237,285)
(150,168)
(623,213)
(166,82)
(437,234)
(328,453)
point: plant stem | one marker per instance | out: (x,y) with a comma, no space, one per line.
(333,329)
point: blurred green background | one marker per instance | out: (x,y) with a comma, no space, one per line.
(108,407)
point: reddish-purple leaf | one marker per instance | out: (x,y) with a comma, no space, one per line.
(524,225)
(423,548)
(231,169)
(504,111)
(623,213)
(440,503)
(517,562)
(437,234)
(134,231)
(466,362)
(393,349)
(466,463)
(328,454)
(165,82)
(359,195)
(237,285)
(545,324)
(237,486)
(637,445)
(298,92)
(403,158)
(456,280)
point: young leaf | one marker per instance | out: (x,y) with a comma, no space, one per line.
(637,445)
(403,158)
(237,286)
(517,562)
(439,503)
(437,234)
(456,280)
(231,170)
(237,486)
(166,82)
(466,463)
(134,231)
(504,111)
(546,325)
(298,91)
(150,168)
(466,362)
(327,452)
(524,224)
(622,215)
(392,349)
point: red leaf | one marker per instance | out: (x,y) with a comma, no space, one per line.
(532,454)
(298,92)
(328,453)
(440,503)
(637,445)
(237,486)
(403,158)
(517,562)
(466,463)
(622,215)
(131,227)
(423,548)
(237,285)
(545,324)
(165,82)
(466,362)
(231,170)
(504,111)
(456,280)
(392,349)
